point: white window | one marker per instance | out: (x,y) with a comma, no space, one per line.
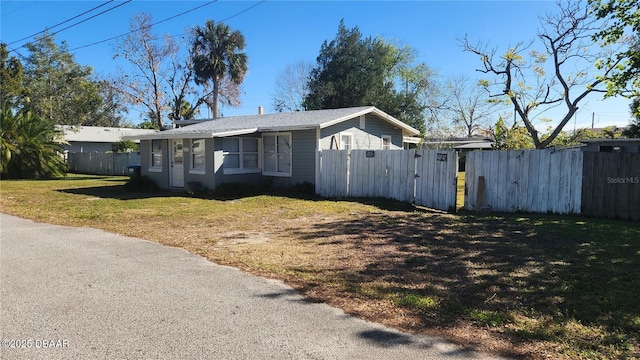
(386,142)
(346,142)
(197,155)
(240,155)
(156,154)
(277,154)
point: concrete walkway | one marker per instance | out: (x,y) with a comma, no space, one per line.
(80,293)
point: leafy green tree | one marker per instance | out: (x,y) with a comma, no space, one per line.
(218,57)
(57,88)
(633,130)
(125,146)
(148,124)
(351,71)
(356,71)
(30,146)
(622,27)
(514,137)
(11,77)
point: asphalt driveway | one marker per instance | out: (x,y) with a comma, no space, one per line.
(83,293)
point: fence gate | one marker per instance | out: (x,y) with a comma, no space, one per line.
(437,179)
(425,177)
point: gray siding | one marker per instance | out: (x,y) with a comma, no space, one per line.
(206,179)
(369,138)
(160,178)
(303,159)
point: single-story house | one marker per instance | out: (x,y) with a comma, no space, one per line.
(281,147)
(611,145)
(96,138)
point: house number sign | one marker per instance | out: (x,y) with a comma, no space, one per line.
(370,153)
(441,157)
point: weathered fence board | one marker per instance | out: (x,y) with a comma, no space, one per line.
(101,163)
(611,185)
(425,177)
(524,180)
(436,183)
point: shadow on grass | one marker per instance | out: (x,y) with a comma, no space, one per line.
(573,279)
(119,192)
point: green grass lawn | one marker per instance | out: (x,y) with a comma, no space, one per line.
(535,286)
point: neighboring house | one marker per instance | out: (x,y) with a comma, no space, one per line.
(96,138)
(611,145)
(282,147)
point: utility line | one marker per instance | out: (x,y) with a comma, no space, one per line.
(80,22)
(142,28)
(20,8)
(58,24)
(91,17)
(243,11)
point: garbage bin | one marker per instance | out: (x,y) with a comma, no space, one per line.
(134,172)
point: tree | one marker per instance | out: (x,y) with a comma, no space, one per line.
(351,71)
(546,80)
(622,26)
(11,77)
(356,71)
(292,86)
(633,130)
(30,146)
(514,137)
(147,53)
(218,56)
(56,87)
(468,104)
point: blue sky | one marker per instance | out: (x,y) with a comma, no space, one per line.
(282,32)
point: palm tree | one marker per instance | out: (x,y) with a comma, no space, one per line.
(31,146)
(217,55)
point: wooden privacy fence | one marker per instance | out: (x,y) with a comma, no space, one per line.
(565,182)
(611,185)
(424,177)
(538,181)
(96,163)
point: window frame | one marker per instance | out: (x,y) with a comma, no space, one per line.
(192,168)
(152,153)
(350,137)
(264,154)
(382,139)
(241,169)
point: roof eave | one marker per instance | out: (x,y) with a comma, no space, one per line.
(191,135)
(406,129)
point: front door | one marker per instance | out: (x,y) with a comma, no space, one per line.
(177,167)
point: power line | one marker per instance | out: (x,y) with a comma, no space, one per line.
(20,8)
(58,24)
(142,28)
(243,11)
(91,17)
(167,19)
